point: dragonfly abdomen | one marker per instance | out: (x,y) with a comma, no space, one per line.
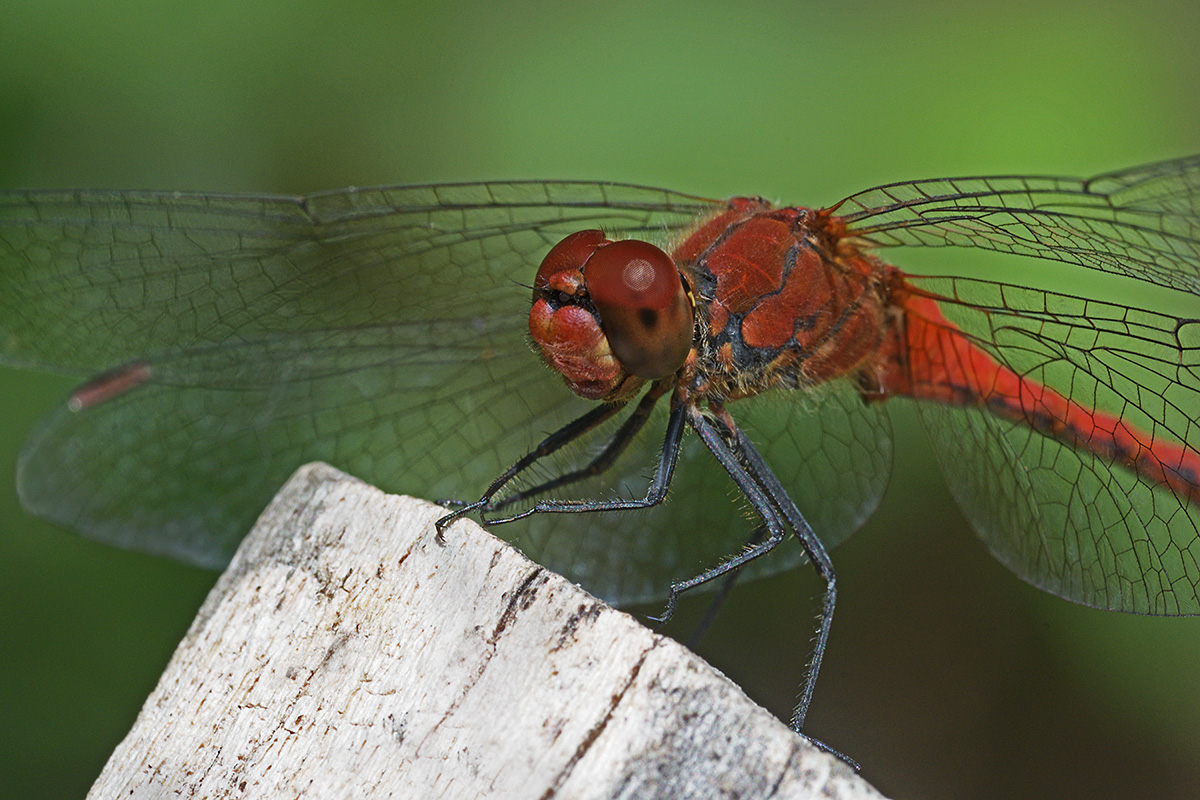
(929,358)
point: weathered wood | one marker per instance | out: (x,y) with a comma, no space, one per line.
(346,654)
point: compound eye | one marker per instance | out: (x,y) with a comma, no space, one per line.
(644,310)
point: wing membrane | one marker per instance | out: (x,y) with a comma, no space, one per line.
(94,279)
(1142,223)
(382,330)
(1068,518)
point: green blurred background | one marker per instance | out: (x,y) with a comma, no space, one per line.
(946,676)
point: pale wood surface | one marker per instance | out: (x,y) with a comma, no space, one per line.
(346,654)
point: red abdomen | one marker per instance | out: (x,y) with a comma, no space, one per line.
(927,357)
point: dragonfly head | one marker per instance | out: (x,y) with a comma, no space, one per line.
(610,315)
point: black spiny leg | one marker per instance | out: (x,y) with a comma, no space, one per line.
(612,451)
(710,614)
(560,438)
(816,554)
(766,494)
(654,494)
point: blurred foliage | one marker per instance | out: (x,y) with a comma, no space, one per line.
(946,676)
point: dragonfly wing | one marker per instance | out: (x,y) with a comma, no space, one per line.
(381,330)
(183,464)
(1142,223)
(91,279)
(1064,516)
(183,470)
(832,452)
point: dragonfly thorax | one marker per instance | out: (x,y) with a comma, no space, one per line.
(784,304)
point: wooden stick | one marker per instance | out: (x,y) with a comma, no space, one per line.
(346,654)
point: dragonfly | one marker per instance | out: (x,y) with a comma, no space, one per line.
(593,348)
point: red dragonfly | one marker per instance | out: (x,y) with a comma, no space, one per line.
(387,331)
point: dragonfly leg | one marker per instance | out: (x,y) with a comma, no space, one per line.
(772,519)
(655,494)
(561,437)
(816,554)
(737,454)
(710,614)
(620,440)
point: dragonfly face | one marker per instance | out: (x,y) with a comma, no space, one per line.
(610,315)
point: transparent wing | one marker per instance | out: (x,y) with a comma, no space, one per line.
(183,465)
(89,280)
(832,452)
(183,469)
(1076,520)
(381,330)
(1142,223)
